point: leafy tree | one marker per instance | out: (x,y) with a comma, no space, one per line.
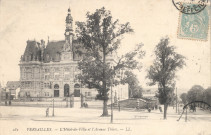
(100,38)
(184,99)
(174,99)
(195,93)
(163,71)
(208,95)
(135,91)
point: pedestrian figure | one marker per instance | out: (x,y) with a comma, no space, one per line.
(85,105)
(10,102)
(156,107)
(160,108)
(149,110)
(47,112)
(71,103)
(5,103)
(195,107)
(119,106)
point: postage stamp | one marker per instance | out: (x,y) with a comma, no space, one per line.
(194,26)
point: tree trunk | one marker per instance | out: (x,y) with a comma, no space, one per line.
(165,111)
(105,100)
(105,109)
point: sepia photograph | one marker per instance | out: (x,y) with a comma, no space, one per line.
(99,67)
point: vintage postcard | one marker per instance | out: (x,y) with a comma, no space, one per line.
(99,67)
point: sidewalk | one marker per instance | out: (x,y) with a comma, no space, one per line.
(83,115)
(83,118)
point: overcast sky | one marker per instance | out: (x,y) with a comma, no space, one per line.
(151,20)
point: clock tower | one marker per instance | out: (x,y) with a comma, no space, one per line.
(67,53)
(68,32)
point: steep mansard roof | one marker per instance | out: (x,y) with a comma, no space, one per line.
(32,51)
(52,52)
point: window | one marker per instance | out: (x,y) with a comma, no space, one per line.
(89,93)
(37,85)
(36,73)
(36,70)
(28,69)
(52,69)
(47,70)
(57,77)
(76,69)
(28,58)
(46,77)
(46,94)
(36,76)
(57,56)
(51,76)
(57,69)
(22,84)
(67,69)
(47,57)
(47,85)
(27,84)
(28,73)
(67,77)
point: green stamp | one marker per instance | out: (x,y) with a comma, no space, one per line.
(194,26)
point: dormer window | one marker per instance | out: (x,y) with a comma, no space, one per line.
(28,58)
(57,56)
(47,57)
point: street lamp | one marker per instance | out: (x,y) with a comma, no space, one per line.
(112,97)
(176,99)
(111,101)
(82,95)
(53,108)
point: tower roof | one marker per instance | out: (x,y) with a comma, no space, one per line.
(69,18)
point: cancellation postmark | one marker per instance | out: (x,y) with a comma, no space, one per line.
(190,6)
(193,20)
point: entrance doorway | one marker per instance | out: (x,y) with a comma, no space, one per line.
(66,90)
(77,93)
(76,90)
(56,90)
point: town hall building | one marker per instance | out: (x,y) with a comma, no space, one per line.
(50,69)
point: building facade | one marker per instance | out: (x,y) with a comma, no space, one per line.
(50,69)
(13,88)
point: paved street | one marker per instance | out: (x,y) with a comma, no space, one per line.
(80,121)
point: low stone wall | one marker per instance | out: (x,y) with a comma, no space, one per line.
(58,104)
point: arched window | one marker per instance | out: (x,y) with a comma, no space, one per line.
(76,85)
(56,86)
(77,90)
(56,90)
